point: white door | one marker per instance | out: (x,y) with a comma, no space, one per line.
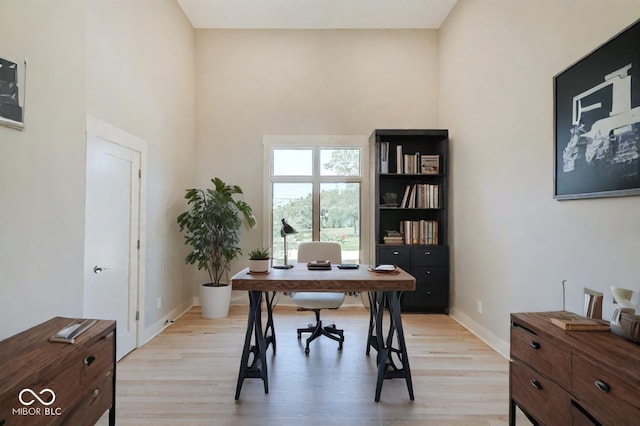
(112,233)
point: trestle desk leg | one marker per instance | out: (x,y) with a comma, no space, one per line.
(257,368)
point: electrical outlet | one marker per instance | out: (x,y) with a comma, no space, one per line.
(159,302)
(479,306)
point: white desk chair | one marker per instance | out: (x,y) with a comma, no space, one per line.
(315,301)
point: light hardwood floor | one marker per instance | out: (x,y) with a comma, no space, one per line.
(187,376)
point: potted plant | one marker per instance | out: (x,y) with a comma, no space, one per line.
(211,226)
(259,260)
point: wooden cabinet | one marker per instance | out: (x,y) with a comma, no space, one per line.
(52,383)
(560,377)
(411,194)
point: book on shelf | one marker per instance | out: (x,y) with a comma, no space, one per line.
(424,232)
(412,163)
(393,237)
(399,162)
(421,196)
(384,157)
(430,164)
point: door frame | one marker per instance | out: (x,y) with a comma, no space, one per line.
(107,132)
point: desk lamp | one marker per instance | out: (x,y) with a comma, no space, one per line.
(284,231)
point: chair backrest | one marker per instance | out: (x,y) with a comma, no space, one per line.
(320,250)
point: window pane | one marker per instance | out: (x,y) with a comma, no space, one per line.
(293,202)
(340,162)
(340,217)
(292,162)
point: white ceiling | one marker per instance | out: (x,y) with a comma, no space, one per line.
(316,14)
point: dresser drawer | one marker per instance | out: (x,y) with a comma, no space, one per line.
(541,353)
(538,396)
(611,398)
(430,256)
(433,275)
(400,256)
(95,402)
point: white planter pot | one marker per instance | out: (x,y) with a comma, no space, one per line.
(215,301)
(259,265)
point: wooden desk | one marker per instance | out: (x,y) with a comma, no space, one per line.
(53,383)
(383,291)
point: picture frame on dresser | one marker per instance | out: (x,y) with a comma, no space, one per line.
(597,121)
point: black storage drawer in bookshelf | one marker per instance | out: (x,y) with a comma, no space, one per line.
(433,275)
(426,298)
(429,256)
(400,256)
(411,211)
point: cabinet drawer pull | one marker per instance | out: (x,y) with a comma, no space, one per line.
(536,384)
(396,253)
(428,272)
(89,360)
(535,345)
(427,253)
(602,386)
(96,392)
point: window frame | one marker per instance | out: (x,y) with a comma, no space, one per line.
(316,142)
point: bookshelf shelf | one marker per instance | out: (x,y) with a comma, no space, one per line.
(411,168)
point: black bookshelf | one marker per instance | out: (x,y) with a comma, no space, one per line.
(412,231)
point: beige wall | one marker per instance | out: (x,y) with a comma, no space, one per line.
(127,63)
(140,77)
(513,243)
(42,167)
(296,82)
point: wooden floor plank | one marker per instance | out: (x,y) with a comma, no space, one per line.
(187,376)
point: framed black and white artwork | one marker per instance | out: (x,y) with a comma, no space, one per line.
(597,121)
(11,98)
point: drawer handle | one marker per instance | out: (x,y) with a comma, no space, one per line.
(396,253)
(428,272)
(535,345)
(536,384)
(602,386)
(89,360)
(427,253)
(96,391)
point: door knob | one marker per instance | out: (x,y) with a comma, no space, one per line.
(97,269)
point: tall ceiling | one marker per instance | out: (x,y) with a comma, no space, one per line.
(317,14)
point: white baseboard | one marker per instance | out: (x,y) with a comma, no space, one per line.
(164,322)
(497,344)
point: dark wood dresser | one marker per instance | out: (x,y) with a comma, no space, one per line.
(560,377)
(43,382)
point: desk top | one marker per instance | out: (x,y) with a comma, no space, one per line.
(300,278)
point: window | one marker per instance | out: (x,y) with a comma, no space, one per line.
(317,184)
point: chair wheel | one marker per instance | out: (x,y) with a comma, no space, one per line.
(306,351)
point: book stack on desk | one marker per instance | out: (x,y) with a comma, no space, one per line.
(319,265)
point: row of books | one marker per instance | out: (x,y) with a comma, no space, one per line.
(421,196)
(409,163)
(420,231)
(424,232)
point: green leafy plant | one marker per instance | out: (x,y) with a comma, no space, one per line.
(211,226)
(259,254)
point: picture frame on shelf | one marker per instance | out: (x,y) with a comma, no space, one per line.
(597,122)
(429,164)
